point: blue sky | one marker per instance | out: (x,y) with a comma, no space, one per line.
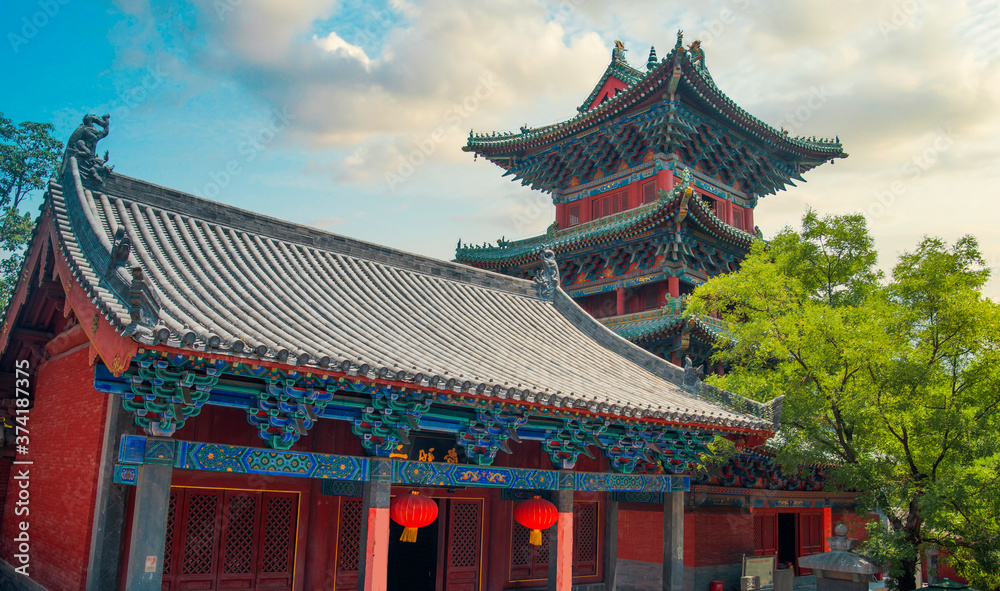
(350,116)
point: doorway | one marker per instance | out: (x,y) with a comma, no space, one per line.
(786,538)
(413,565)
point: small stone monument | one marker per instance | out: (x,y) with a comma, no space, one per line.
(840,569)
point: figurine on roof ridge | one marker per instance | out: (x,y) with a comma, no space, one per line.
(82,145)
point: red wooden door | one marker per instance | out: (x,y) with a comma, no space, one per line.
(810,537)
(240,516)
(463,558)
(765,534)
(198,551)
(223,539)
(528,562)
(279,516)
(348,542)
(585,539)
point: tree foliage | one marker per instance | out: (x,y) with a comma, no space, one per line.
(895,379)
(29,155)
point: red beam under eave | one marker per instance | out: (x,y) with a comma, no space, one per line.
(115,350)
(309,371)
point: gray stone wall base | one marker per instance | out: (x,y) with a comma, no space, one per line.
(638,575)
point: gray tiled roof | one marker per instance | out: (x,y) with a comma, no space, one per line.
(233,282)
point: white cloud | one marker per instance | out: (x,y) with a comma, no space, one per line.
(402,86)
(334,44)
(325,223)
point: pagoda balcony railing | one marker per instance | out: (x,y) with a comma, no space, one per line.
(674,307)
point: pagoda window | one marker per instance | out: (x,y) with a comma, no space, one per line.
(649,192)
(651,297)
(609,205)
(738,217)
(686,288)
(574,216)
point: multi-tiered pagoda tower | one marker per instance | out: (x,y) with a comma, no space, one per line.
(655,181)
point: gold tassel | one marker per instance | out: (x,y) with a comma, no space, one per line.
(535,537)
(409,535)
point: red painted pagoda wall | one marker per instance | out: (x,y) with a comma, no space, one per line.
(66,429)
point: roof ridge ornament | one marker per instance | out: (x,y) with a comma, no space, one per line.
(693,375)
(651,62)
(82,145)
(696,54)
(547,278)
(618,53)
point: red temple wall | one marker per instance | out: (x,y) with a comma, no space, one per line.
(720,536)
(66,431)
(856,524)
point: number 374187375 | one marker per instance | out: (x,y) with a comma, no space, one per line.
(22,401)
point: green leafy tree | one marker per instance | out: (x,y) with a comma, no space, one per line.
(29,155)
(894,379)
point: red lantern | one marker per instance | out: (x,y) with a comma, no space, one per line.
(412,511)
(536,514)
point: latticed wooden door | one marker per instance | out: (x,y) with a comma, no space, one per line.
(219,539)
(463,550)
(348,541)
(765,534)
(810,536)
(585,544)
(528,562)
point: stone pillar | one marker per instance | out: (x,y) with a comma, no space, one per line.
(673,541)
(674,286)
(620,301)
(373,561)
(610,543)
(561,543)
(149,518)
(104,566)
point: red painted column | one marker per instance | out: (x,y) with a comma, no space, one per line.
(620,304)
(373,563)
(561,544)
(827,527)
(665,179)
(674,287)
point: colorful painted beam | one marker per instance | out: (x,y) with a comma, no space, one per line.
(135,450)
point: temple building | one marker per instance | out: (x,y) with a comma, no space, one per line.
(654,181)
(200,397)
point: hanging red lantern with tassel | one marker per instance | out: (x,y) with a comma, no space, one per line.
(412,511)
(536,514)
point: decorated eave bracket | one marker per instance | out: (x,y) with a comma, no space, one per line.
(283,412)
(163,399)
(164,391)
